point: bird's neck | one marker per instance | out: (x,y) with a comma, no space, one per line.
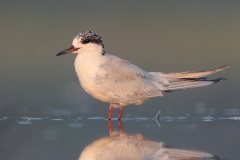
(88,61)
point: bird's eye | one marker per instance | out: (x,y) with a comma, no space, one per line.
(86,41)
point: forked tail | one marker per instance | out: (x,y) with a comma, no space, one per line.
(189,79)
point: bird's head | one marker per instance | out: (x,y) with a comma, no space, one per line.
(87,41)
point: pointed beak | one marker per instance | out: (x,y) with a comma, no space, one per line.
(69,50)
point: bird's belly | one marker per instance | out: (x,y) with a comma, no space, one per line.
(103,94)
(94,83)
(95,90)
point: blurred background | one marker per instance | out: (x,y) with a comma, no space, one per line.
(165,36)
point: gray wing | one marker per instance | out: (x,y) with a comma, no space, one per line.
(126,83)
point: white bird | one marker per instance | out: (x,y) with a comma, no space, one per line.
(121,146)
(111,79)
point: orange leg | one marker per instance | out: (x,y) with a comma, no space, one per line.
(120,127)
(120,112)
(110,112)
(110,126)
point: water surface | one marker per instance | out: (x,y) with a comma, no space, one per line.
(63,137)
(45,114)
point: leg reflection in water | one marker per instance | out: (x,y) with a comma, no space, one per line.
(121,146)
(111,130)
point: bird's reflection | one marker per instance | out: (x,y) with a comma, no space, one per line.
(121,146)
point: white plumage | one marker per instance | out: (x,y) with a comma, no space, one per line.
(111,79)
(136,147)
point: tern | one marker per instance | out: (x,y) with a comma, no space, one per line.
(111,79)
(123,146)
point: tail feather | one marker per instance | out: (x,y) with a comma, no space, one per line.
(192,74)
(185,83)
(177,154)
(186,80)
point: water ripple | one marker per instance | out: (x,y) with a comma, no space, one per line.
(26,120)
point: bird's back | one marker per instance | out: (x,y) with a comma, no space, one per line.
(124,82)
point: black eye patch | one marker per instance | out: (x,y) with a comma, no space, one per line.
(86,41)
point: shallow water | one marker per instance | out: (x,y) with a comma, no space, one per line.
(64,137)
(45,114)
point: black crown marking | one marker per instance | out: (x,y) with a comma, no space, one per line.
(90,37)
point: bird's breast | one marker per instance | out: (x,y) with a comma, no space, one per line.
(87,66)
(87,69)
